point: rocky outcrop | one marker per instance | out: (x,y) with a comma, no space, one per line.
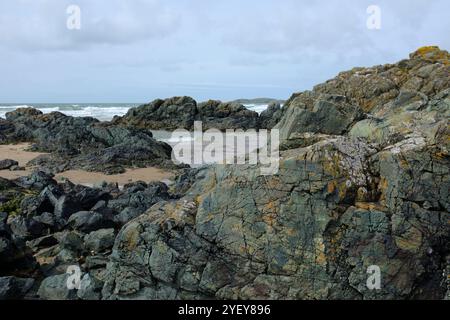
(271,116)
(310,232)
(6,130)
(7,164)
(222,116)
(45,227)
(12,288)
(182,112)
(346,200)
(383,104)
(85,143)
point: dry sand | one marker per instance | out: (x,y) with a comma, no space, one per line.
(17,152)
(131,175)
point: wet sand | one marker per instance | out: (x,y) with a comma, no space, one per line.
(17,152)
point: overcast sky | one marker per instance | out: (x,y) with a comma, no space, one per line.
(139,50)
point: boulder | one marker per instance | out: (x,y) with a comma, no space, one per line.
(222,116)
(7,164)
(137,198)
(72,241)
(170,114)
(88,221)
(43,242)
(90,288)
(181,113)
(55,288)
(12,288)
(319,114)
(6,131)
(100,240)
(38,180)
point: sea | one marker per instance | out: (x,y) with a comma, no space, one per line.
(100,111)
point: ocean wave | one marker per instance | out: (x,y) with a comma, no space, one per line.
(101,111)
(70,108)
(256,107)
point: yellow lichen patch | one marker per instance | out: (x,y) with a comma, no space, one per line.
(273,183)
(269,219)
(370,206)
(291,232)
(131,237)
(440,155)
(331,187)
(334,187)
(432,54)
(332,166)
(270,207)
(198,200)
(320,257)
(382,187)
(410,240)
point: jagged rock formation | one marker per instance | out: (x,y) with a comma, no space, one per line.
(364,181)
(383,104)
(269,118)
(182,112)
(45,227)
(84,143)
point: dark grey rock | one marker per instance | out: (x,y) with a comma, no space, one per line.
(96,262)
(47,219)
(127,215)
(139,196)
(91,288)
(182,112)
(12,288)
(55,288)
(37,180)
(85,143)
(7,163)
(71,241)
(87,221)
(271,116)
(16,168)
(43,242)
(100,240)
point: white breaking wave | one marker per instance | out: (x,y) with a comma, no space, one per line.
(101,111)
(256,107)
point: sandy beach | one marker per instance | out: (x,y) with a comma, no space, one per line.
(131,175)
(18,152)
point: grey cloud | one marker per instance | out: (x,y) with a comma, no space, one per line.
(41,24)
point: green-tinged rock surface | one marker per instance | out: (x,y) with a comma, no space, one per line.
(363,185)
